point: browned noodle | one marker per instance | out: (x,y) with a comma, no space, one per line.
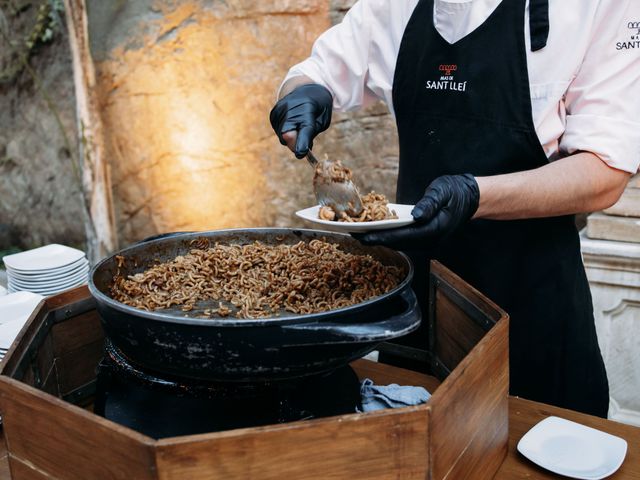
(374,207)
(258,280)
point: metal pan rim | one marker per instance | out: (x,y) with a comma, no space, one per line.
(239,323)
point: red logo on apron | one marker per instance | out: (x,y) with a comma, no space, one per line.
(446,80)
(447,69)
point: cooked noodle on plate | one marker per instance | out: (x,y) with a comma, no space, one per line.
(374,208)
(374,205)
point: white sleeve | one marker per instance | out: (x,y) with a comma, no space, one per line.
(340,59)
(603,100)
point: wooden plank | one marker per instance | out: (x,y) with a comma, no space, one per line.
(486,450)
(78,347)
(67,442)
(28,378)
(382,374)
(524,414)
(43,362)
(24,471)
(23,340)
(78,367)
(76,332)
(47,309)
(50,384)
(455,333)
(66,298)
(469,401)
(468,292)
(5,473)
(374,446)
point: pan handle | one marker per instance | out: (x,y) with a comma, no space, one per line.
(391,327)
(161,235)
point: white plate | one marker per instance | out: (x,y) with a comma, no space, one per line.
(43,258)
(50,282)
(57,272)
(573,450)
(403,212)
(50,271)
(63,288)
(9,331)
(18,306)
(53,281)
(49,290)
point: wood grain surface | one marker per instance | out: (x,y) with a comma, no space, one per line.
(469,428)
(51,436)
(355,447)
(371,446)
(523,414)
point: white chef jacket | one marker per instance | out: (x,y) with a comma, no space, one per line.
(585,84)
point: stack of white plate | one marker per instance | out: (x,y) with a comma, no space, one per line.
(15,310)
(46,270)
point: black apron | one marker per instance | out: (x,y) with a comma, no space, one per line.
(466,108)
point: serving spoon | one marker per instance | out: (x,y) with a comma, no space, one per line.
(341,195)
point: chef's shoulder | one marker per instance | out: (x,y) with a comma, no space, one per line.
(625,16)
(604,58)
(615,15)
(389,11)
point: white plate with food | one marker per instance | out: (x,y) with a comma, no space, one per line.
(572,449)
(403,212)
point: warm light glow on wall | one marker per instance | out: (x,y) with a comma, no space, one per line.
(186,113)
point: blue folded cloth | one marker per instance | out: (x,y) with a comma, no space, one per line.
(378,397)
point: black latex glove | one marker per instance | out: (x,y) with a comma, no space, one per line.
(448,203)
(306,109)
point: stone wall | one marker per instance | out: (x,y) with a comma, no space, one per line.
(613,269)
(39,195)
(186,101)
(185,88)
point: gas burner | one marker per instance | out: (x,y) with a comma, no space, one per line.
(161,406)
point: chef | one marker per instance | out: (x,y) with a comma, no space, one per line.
(512,115)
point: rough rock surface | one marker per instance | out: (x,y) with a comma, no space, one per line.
(185,88)
(39,196)
(186,102)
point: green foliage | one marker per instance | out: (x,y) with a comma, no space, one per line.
(47,23)
(24,25)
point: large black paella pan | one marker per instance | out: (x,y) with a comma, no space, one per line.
(231,349)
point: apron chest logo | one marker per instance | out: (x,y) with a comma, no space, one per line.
(446,80)
(634,40)
(447,69)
